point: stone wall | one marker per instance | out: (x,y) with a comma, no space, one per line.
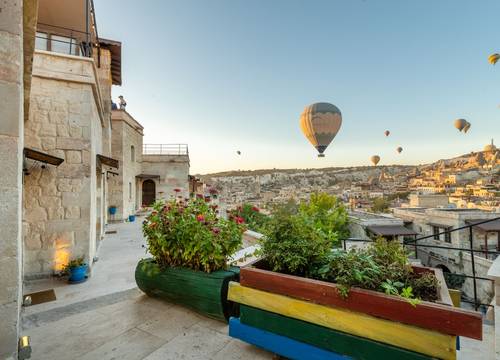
(124,190)
(11,144)
(173,171)
(65,120)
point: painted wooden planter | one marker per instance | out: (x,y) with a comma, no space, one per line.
(365,324)
(200,291)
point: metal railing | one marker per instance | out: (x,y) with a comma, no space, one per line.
(165,149)
(78,42)
(413,243)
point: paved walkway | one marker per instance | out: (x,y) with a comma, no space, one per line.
(108,318)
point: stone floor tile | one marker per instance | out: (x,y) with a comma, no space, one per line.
(134,344)
(238,350)
(197,343)
(174,321)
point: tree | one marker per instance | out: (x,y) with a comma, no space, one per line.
(380,205)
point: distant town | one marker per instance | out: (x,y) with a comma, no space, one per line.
(467,181)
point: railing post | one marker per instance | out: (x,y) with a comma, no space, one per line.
(473,267)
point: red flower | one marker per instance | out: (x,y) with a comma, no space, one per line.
(199,196)
(207,199)
(200,218)
(240,220)
(216,231)
(255,208)
(177,190)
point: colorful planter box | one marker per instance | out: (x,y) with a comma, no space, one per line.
(363,325)
(200,291)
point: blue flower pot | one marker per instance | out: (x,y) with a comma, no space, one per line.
(78,274)
(131,218)
(112,210)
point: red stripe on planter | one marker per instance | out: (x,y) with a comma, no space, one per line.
(442,318)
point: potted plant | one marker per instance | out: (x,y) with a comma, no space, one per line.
(77,270)
(367,304)
(190,248)
(112,210)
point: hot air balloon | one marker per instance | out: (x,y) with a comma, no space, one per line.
(387,132)
(375,159)
(460,124)
(493,58)
(320,122)
(466,127)
(238,152)
(399,149)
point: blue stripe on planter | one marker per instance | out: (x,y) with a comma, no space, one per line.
(278,344)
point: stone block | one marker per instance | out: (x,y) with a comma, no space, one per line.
(32,142)
(10,163)
(64,184)
(36,214)
(43,103)
(10,93)
(48,177)
(71,199)
(72,144)
(72,212)
(58,117)
(62,130)
(63,239)
(75,131)
(55,213)
(75,107)
(48,130)
(10,66)
(58,153)
(74,170)
(60,106)
(12,12)
(32,241)
(73,157)
(50,201)
(48,143)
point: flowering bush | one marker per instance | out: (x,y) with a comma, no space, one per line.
(251,215)
(188,233)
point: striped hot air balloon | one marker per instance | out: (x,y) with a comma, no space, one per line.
(493,58)
(320,122)
(375,159)
(460,124)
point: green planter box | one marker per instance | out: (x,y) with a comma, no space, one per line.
(200,291)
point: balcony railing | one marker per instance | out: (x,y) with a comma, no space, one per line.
(65,40)
(165,149)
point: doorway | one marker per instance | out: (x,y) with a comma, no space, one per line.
(148,192)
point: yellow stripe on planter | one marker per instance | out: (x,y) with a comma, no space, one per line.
(405,336)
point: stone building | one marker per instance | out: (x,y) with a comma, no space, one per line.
(69,119)
(58,157)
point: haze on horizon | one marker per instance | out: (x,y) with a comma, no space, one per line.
(232,75)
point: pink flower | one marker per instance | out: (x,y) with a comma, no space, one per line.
(240,220)
(200,218)
(199,196)
(216,231)
(255,208)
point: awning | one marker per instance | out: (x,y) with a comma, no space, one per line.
(42,157)
(108,161)
(493,225)
(390,230)
(147,176)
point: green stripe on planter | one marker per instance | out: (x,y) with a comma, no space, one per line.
(328,339)
(200,291)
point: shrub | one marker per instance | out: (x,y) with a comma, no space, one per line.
(383,267)
(292,242)
(380,205)
(188,233)
(254,219)
(328,214)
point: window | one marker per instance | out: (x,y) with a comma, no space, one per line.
(130,191)
(41,41)
(435,232)
(447,236)
(132,153)
(63,45)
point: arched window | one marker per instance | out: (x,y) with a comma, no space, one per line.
(132,153)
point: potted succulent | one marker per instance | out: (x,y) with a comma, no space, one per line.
(303,298)
(190,248)
(77,270)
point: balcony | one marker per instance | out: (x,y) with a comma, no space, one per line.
(165,149)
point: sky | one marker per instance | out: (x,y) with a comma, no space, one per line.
(229,75)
